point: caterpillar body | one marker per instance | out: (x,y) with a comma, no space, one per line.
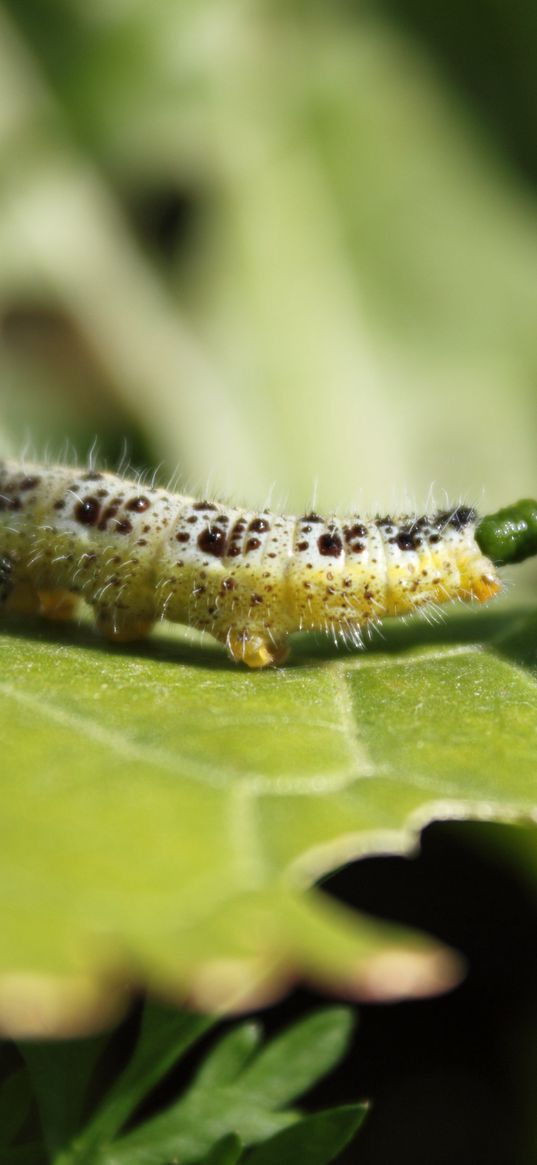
(137,554)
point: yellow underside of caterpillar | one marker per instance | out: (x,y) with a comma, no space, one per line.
(254,617)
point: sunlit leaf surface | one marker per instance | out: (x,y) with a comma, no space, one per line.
(164,813)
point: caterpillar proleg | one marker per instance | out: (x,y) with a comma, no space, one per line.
(137,554)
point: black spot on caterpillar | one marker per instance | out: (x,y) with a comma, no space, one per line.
(250,579)
(6,584)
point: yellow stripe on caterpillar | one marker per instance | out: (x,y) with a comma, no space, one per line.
(137,554)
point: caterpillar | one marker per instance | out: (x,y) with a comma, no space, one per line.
(137,554)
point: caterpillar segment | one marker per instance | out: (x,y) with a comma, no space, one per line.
(138,554)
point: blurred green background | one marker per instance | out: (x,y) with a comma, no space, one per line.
(282,245)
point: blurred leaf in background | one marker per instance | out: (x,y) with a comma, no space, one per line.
(269,243)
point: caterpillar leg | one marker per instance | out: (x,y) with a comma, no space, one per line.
(58,605)
(254,649)
(121,626)
(20,598)
(486,587)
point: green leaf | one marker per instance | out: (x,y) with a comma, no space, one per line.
(164,1037)
(229,1103)
(232,1052)
(188,1130)
(165,812)
(226,1152)
(15,1103)
(315,1140)
(292,1063)
(60,1074)
(223,1099)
